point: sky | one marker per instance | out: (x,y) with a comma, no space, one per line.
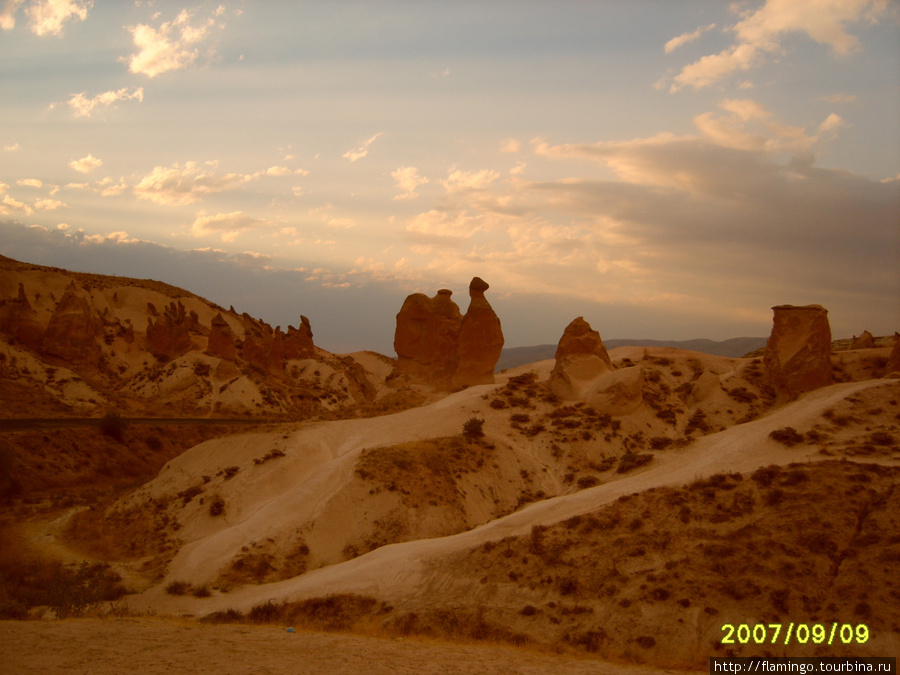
(668,170)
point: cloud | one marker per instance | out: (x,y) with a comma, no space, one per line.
(363,150)
(227,225)
(184,184)
(458,180)
(831,124)
(8,14)
(49,205)
(436,226)
(84,106)
(86,164)
(30,182)
(46,17)
(179,185)
(10,205)
(171,46)
(760,32)
(684,38)
(12,147)
(510,145)
(408,179)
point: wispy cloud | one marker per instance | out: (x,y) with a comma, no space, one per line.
(84,106)
(227,225)
(86,164)
(363,150)
(760,32)
(173,45)
(184,184)
(684,38)
(179,185)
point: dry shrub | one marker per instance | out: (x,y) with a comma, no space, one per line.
(787,436)
(633,460)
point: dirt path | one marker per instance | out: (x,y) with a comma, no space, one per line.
(147,646)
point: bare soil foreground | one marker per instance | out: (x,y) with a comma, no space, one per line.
(147,645)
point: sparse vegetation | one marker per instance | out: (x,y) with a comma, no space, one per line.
(473,428)
(787,436)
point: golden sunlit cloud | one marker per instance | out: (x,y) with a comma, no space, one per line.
(172,46)
(86,164)
(84,106)
(408,179)
(30,182)
(47,17)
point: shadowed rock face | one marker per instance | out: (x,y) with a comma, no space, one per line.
(798,353)
(73,330)
(427,336)
(893,364)
(169,337)
(18,318)
(438,346)
(221,339)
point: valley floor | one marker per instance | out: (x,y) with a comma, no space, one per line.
(148,645)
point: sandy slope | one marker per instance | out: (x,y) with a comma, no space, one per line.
(148,646)
(402,572)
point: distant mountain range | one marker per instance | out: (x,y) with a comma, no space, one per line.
(734,348)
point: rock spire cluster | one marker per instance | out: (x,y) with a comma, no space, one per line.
(437,345)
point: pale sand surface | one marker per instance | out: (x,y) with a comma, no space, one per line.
(146,645)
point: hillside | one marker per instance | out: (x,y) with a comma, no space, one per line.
(75,344)
(512,357)
(623,505)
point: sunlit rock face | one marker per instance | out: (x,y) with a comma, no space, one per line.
(798,353)
(436,345)
(480,339)
(865,340)
(580,360)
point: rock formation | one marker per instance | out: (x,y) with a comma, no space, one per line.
(864,341)
(427,337)
(298,342)
(221,339)
(437,345)
(169,337)
(480,339)
(893,364)
(18,318)
(580,359)
(73,329)
(268,350)
(798,353)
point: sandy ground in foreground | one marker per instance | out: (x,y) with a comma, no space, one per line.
(146,645)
